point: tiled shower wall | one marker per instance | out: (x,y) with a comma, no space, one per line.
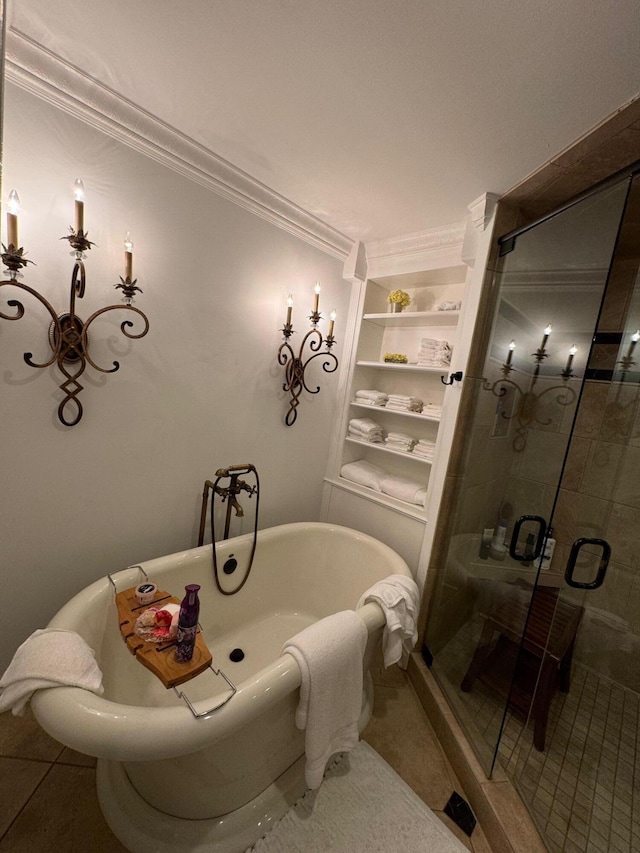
(600,488)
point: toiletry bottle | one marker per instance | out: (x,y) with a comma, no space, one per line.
(497,549)
(549,548)
(485,542)
(188,623)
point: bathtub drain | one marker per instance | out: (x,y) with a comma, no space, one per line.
(236,655)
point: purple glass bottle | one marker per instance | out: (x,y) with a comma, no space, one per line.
(188,623)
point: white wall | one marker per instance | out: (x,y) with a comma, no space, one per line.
(202,390)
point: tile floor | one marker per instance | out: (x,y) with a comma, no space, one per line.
(584,789)
(48,796)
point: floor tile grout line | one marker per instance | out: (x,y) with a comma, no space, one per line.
(598,733)
(28,758)
(25,804)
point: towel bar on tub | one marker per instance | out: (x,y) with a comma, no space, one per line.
(217,672)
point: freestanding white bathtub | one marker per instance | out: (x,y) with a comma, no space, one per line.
(168,781)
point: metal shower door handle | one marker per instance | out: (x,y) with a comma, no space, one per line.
(513,545)
(602,568)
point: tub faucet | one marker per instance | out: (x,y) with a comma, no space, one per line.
(229,494)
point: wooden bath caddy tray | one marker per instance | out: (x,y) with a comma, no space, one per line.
(158,657)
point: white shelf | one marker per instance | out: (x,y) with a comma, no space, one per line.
(415,368)
(385,449)
(404,508)
(414,318)
(402,414)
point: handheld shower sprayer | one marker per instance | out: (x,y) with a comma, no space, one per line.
(229,494)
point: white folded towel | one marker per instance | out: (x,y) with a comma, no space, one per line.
(365,426)
(329,654)
(372,395)
(48,658)
(372,438)
(363,473)
(404,490)
(424,450)
(365,429)
(398,596)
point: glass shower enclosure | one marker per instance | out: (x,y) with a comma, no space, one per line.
(534,624)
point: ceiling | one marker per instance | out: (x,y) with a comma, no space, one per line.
(381,118)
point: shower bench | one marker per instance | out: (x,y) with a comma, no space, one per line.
(537,632)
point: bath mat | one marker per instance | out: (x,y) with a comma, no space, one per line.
(362,806)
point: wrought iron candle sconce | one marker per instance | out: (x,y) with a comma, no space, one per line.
(627,361)
(526,407)
(68,334)
(296,364)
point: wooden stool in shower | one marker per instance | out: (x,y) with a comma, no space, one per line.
(547,627)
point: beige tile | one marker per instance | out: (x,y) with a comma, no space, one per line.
(620,412)
(23,737)
(400,732)
(535,184)
(513,816)
(627,487)
(566,184)
(591,411)
(623,533)
(541,460)
(613,154)
(455,829)
(78,759)
(616,301)
(580,515)
(18,781)
(391,676)
(479,841)
(529,498)
(602,469)
(576,463)
(603,357)
(62,815)
(583,148)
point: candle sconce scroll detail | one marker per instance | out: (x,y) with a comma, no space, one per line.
(526,409)
(68,333)
(295,364)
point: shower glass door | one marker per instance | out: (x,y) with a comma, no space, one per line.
(503,623)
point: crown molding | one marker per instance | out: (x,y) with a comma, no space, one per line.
(422,250)
(35,69)
(481,210)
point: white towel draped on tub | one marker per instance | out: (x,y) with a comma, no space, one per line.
(398,596)
(329,654)
(48,658)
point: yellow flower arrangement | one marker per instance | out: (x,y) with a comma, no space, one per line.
(396,357)
(399,296)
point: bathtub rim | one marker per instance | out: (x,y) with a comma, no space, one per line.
(96,726)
